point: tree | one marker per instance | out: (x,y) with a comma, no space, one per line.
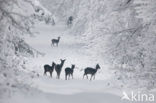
(146,10)
(114,34)
(15,20)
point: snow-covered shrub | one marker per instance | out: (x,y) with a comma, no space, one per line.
(15,20)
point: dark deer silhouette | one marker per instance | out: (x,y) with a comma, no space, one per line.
(69,72)
(55,41)
(48,68)
(70,20)
(91,71)
(58,68)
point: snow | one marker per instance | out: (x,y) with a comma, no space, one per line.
(59,98)
(73,86)
(78,90)
(72,47)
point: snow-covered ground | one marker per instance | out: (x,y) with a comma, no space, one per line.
(70,48)
(24,86)
(77,90)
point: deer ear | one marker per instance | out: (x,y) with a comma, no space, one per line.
(98,65)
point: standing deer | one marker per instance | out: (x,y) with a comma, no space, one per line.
(69,71)
(58,68)
(70,20)
(91,71)
(48,68)
(55,41)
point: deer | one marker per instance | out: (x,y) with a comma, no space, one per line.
(55,41)
(58,68)
(91,71)
(48,68)
(69,71)
(70,20)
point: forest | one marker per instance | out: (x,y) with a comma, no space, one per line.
(117,36)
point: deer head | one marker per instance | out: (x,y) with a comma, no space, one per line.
(53,64)
(73,66)
(62,61)
(98,66)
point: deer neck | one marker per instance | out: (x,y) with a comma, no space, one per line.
(96,68)
(61,64)
(72,67)
(58,39)
(53,65)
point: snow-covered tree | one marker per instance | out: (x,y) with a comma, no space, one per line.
(16,20)
(131,49)
(146,10)
(117,33)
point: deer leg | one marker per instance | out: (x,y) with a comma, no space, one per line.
(65,76)
(72,76)
(44,73)
(94,77)
(58,75)
(91,77)
(52,44)
(87,76)
(51,74)
(69,77)
(83,76)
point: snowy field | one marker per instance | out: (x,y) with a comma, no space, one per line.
(71,49)
(119,35)
(76,90)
